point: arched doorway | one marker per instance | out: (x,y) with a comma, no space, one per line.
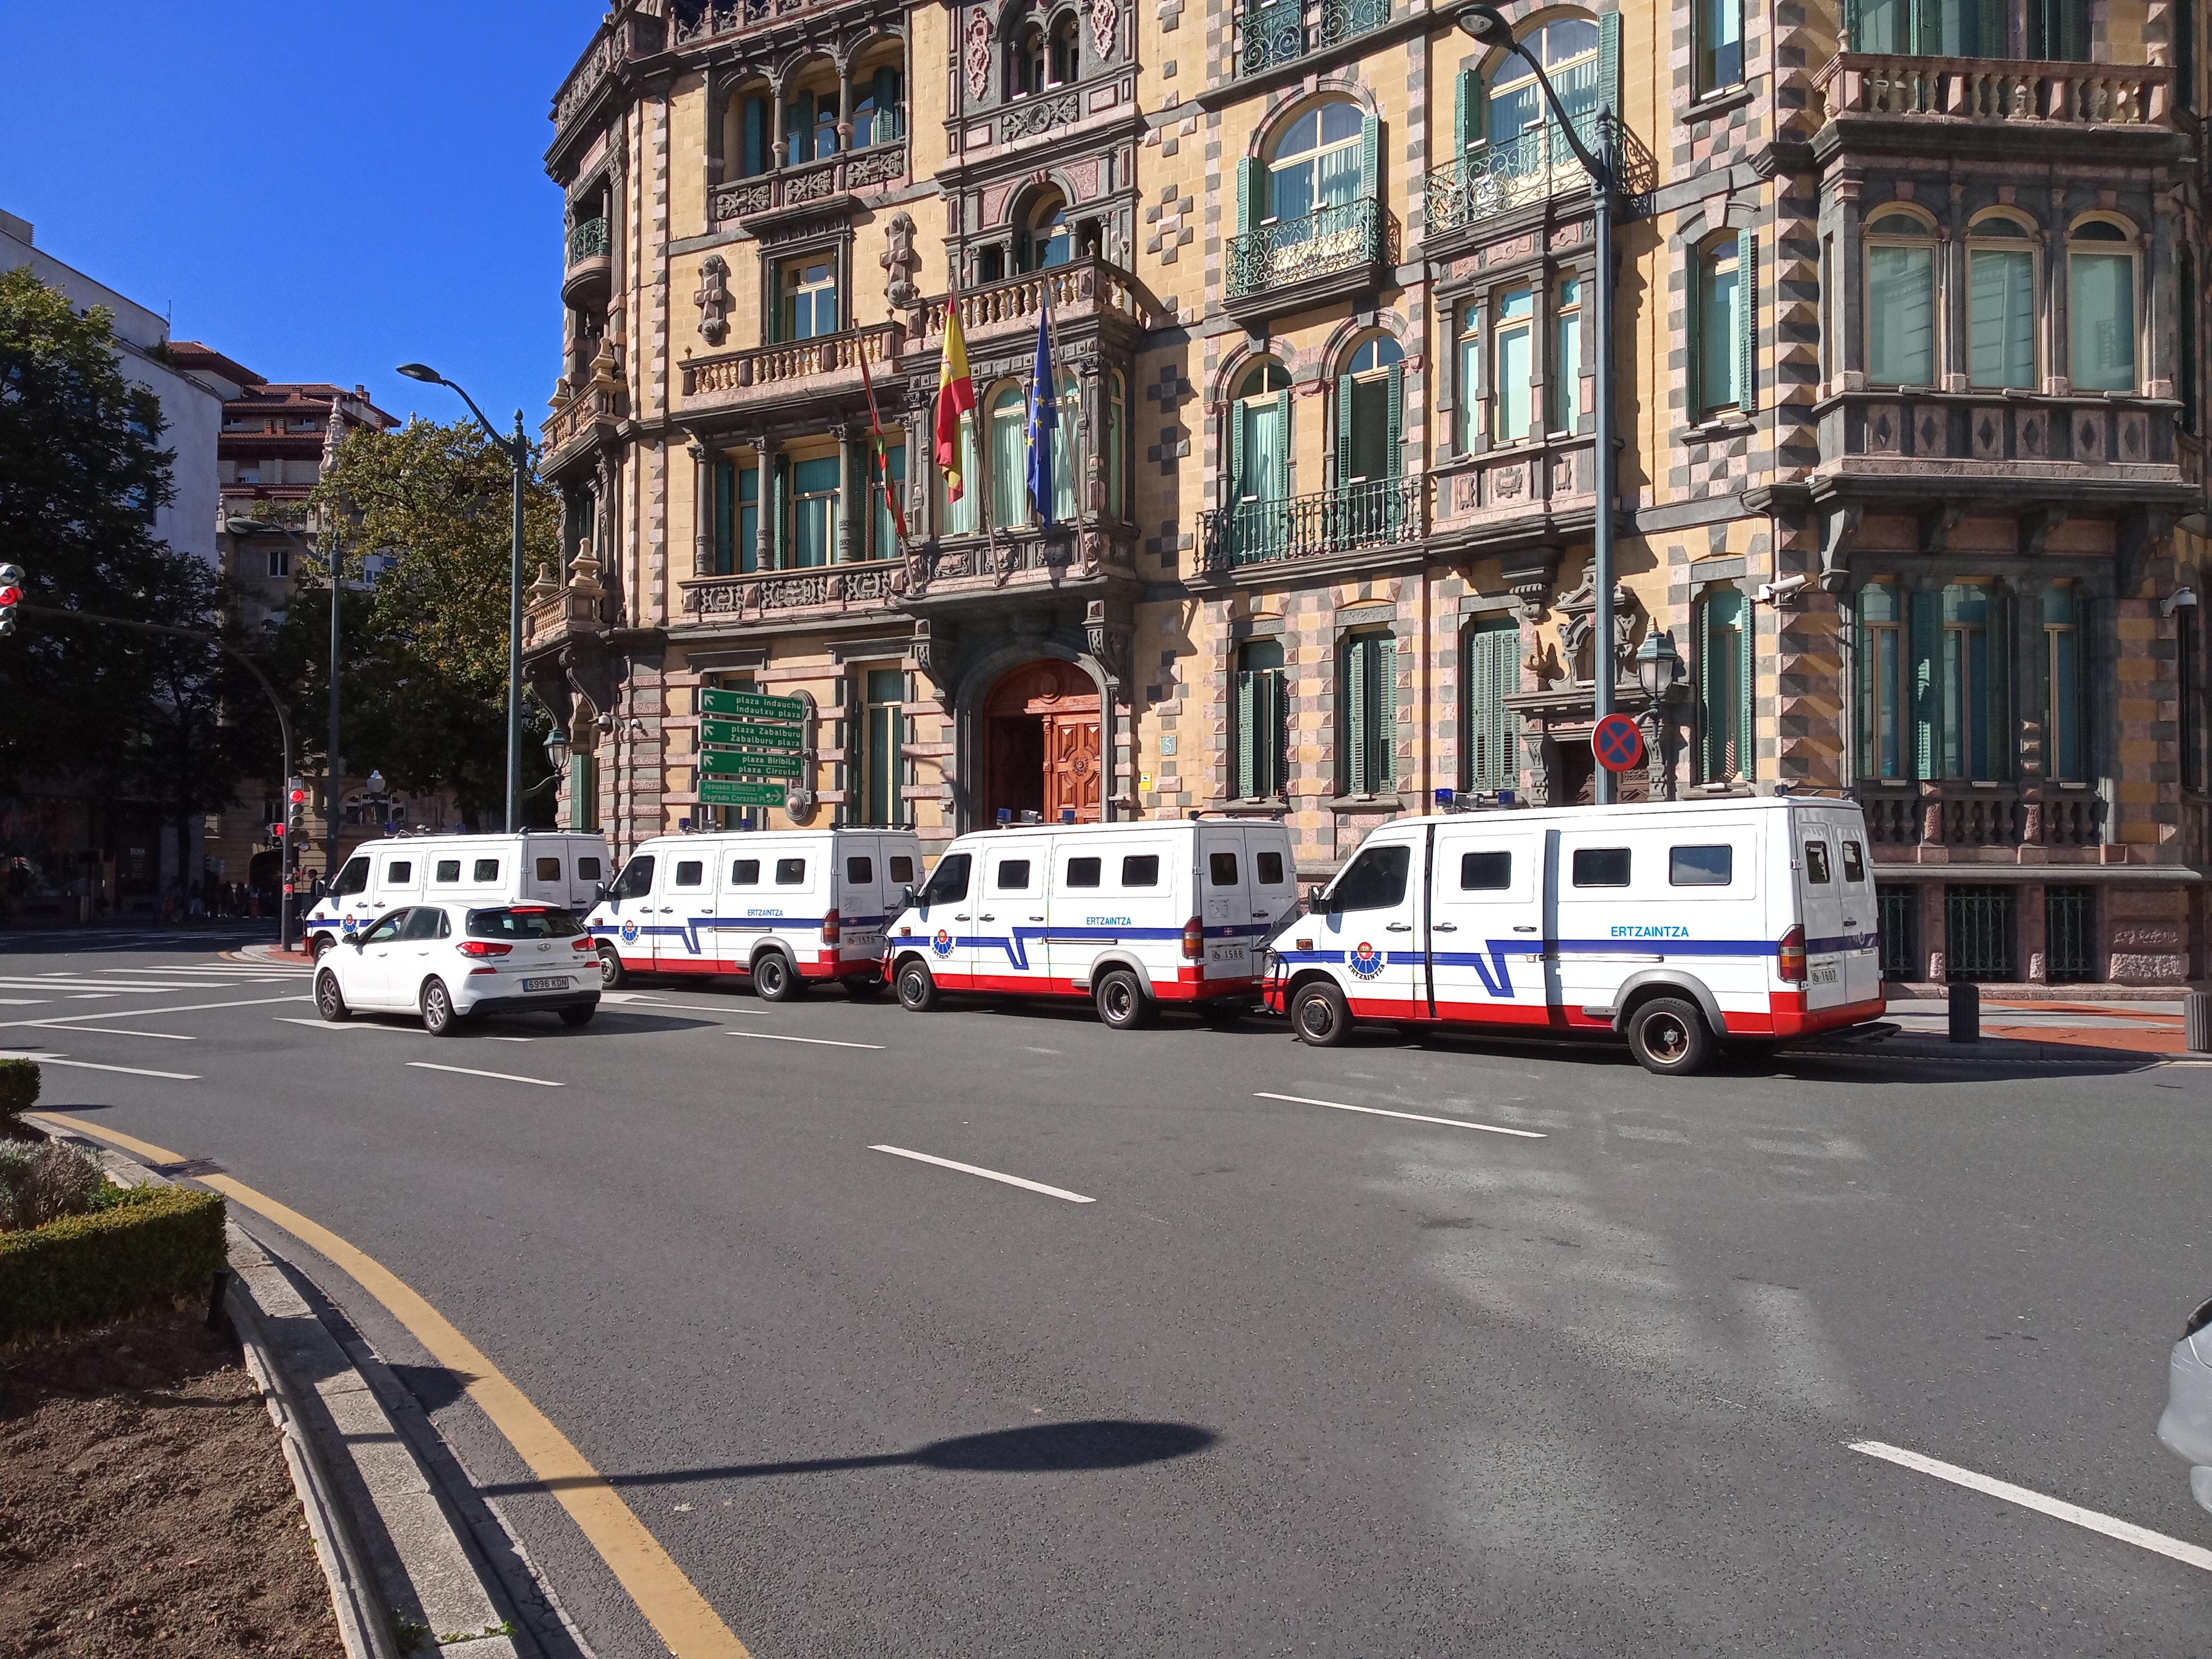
(1040,749)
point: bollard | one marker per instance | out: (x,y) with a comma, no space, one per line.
(1966,1011)
(2197,1015)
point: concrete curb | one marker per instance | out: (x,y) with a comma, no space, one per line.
(269,956)
(1987,1051)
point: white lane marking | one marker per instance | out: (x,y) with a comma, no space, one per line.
(45,1059)
(1415,1117)
(94,986)
(22,1002)
(471,1071)
(987,1175)
(64,1021)
(2058,1509)
(117,1030)
(819,1042)
(102,996)
(327,1025)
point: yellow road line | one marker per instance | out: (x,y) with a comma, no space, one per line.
(669,1600)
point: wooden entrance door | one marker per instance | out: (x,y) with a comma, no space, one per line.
(1041,729)
(1071,748)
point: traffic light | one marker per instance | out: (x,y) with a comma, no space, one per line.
(296,806)
(11,595)
(276,832)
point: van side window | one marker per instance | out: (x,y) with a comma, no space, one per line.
(948,882)
(791,872)
(399,874)
(1084,873)
(353,878)
(1013,875)
(635,882)
(1700,866)
(1601,866)
(1141,871)
(549,869)
(1375,880)
(1267,869)
(1854,862)
(450,870)
(902,871)
(1221,869)
(860,872)
(587,869)
(1816,863)
(744,872)
(1486,872)
(690,873)
(487,870)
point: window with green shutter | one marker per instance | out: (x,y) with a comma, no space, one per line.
(883,718)
(1493,731)
(1369,701)
(725,514)
(1724,669)
(1262,743)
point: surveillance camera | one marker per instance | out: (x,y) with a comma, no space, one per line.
(1770,591)
(2180,598)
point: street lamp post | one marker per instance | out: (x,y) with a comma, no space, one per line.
(517,450)
(1488,26)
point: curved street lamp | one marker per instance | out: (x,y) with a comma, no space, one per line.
(518,451)
(1488,25)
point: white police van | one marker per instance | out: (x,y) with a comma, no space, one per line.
(1678,925)
(563,867)
(1131,916)
(783,907)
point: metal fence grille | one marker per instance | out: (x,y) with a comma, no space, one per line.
(2068,940)
(1978,932)
(1898,910)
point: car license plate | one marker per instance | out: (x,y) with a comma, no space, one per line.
(545,984)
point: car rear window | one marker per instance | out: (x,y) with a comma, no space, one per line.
(549,869)
(487,870)
(1601,866)
(1816,863)
(690,873)
(524,921)
(744,872)
(1221,869)
(1141,870)
(1854,862)
(1084,873)
(450,870)
(1700,866)
(902,871)
(791,872)
(1485,872)
(1267,869)
(860,872)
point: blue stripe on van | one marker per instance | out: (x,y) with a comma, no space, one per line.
(688,930)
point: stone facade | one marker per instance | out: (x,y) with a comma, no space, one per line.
(1907,369)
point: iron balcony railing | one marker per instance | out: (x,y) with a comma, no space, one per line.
(588,240)
(1269,36)
(1378,513)
(1318,244)
(1507,173)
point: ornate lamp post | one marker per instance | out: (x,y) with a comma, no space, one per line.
(1659,671)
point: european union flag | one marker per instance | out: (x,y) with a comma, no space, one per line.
(1044,421)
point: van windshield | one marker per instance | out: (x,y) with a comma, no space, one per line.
(353,878)
(635,880)
(948,882)
(1375,880)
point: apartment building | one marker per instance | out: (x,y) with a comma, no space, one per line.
(1908,372)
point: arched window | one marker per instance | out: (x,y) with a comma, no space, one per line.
(1567,48)
(1064,50)
(2001,289)
(1259,462)
(1317,161)
(1009,442)
(876,107)
(1028,75)
(1044,241)
(2100,297)
(1724,685)
(1722,367)
(1369,412)
(811,115)
(1900,297)
(748,132)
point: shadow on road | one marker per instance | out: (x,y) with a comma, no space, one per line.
(1042,1448)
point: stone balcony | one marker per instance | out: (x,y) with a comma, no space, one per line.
(590,270)
(1083,291)
(971,573)
(2000,106)
(808,183)
(1520,496)
(825,370)
(1958,822)
(796,600)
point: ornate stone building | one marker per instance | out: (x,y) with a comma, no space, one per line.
(1908,364)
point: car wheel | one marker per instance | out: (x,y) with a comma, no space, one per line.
(439,1018)
(867,989)
(330,1001)
(775,979)
(1669,1035)
(1320,1016)
(917,986)
(582,1016)
(612,974)
(1124,1005)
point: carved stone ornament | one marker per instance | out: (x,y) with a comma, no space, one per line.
(712,299)
(977,52)
(1105,14)
(901,261)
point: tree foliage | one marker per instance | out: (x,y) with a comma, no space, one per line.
(423,690)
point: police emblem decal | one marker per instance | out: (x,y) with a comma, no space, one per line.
(942,944)
(1364,960)
(630,931)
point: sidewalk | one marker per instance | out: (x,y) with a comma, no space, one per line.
(2142,1030)
(295,958)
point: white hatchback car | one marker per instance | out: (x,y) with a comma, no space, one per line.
(447,962)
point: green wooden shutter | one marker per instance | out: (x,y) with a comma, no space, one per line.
(1926,692)
(1355,716)
(1395,416)
(1269,723)
(1344,387)
(1928,28)
(1701,395)
(1746,345)
(1997,698)
(2068,30)
(1281,481)
(1608,61)
(780,524)
(1746,686)
(1370,156)
(1472,116)
(1990,21)
(726,517)
(1382,718)
(1710,740)
(1247,735)
(1852,39)
(1492,675)
(1249,205)
(1238,414)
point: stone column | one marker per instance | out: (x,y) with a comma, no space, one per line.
(764,505)
(1850,302)
(852,496)
(703,562)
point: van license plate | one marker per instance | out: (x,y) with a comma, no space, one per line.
(1824,973)
(563,984)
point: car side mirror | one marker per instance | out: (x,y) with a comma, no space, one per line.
(357,940)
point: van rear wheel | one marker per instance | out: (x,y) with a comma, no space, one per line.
(1319,1014)
(1669,1035)
(917,988)
(1123,1003)
(612,974)
(775,979)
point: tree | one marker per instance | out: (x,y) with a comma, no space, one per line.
(423,692)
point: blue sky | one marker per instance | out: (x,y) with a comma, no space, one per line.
(320,192)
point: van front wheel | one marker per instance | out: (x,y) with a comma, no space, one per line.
(1669,1035)
(1123,1005)
(917,988)
(775,979)
(612,974)
(1319,1014)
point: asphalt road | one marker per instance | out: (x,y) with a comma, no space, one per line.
(1298,1380)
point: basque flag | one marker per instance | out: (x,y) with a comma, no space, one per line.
(1044,420)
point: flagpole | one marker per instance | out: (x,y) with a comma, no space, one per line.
(1082,470)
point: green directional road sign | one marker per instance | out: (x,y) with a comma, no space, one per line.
(723,791)
(784,739)
(727,762)
(751,706)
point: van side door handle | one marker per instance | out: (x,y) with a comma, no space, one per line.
(1446,926)
(1520,929)
(960,915)
(1398,927)
(986,916)
(1851,921)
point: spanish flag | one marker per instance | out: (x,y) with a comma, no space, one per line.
(956,396)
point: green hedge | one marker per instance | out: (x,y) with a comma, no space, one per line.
(155,1242)
(18,1086)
